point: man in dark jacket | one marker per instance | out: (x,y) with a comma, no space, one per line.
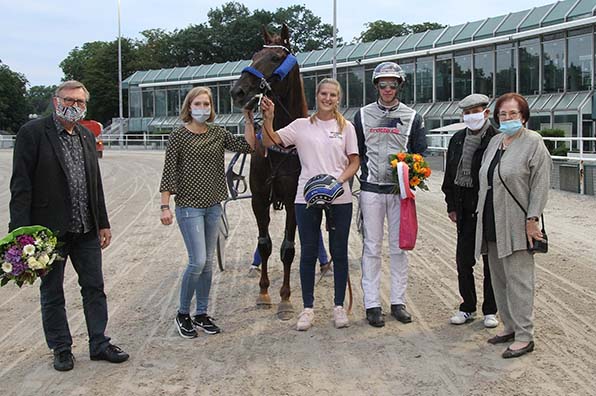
(460,186)
(56,183)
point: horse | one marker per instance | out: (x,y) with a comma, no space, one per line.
(274,72)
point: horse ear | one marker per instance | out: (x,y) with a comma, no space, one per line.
(285,36)
(266,36)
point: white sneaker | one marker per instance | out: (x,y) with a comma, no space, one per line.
(490,321)
(340,317)
(305,319)
(462,317)
(254,271)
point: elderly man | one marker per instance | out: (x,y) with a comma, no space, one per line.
(460,186)
(56,183)
(384,127)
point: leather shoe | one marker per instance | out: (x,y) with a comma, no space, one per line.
(399,312)
(501,339)
(511,353)
(63,360)
(112,354)
(375,317)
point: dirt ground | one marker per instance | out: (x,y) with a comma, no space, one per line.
(257,354)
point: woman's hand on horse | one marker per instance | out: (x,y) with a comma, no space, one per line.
(248,116)
(267,108)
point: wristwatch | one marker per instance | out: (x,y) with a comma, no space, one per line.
(533,218)
(164,207)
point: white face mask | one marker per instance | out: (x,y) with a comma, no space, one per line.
(475,121)
(200,115)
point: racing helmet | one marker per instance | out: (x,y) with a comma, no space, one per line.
(389,69)
(321,190)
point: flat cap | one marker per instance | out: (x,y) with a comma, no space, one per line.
(473,100)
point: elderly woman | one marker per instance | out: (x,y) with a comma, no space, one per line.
(515,166)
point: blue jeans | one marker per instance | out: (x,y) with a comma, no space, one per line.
(309,226)
(323,259)
(199,228)
(85,255)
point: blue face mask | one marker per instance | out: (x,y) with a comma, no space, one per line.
(510,127)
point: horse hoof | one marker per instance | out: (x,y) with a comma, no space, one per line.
(264,301)
(285,310)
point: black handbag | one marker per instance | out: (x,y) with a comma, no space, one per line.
(540,246)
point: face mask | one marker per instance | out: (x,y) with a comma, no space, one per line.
(474,122)
(200,115)
(510,127)
(70,113)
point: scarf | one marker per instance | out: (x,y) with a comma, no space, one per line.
(463,178)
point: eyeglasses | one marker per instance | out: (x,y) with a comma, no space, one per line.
(383,85)
(510,115)
(72,101)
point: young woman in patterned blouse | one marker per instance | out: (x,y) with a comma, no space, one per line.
(194,173)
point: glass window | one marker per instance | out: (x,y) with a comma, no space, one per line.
(462,76)
(553,55)
(406,93)
(160,103)
(173,102)
(529,63)
(579,63)
(342,77)
(568,123)
(443,78)
(224,99)
(148,103)
(587,132)
(424,80)
(483,73)
(355,92)
(369,89)
(134,102)
(310,83)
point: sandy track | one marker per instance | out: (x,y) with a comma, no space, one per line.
(260,355)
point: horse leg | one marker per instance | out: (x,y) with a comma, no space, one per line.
(285,310)
(260,209)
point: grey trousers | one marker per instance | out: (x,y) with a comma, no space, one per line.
(513,284)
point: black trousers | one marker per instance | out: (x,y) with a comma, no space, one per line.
(466,238)
(85,254)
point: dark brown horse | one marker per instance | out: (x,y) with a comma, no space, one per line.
(274,72)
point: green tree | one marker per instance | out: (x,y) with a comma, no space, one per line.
(40,99)
(379,30)
(307,32)
(14,107)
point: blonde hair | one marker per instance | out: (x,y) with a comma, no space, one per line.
(72,84)
(341,121)
(185,114)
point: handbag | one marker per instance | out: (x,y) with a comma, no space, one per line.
(408,221)
(540,246)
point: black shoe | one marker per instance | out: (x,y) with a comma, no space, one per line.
(501,339)
(184,326)
(205,323)
(375,317)
(510,353)
(399,312)
(112,354)
(63,360)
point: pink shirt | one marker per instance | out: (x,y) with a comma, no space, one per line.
(322,149)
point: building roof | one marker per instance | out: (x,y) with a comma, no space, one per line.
(409,45)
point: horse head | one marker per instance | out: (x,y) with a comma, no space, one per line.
(274,72)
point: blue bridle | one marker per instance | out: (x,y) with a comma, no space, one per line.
(281,72)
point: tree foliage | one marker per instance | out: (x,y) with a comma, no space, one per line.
(379,30)
(40,99)
(14,106)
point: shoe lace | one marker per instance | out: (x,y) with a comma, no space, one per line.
(115,348)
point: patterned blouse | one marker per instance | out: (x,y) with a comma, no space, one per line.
(194,168)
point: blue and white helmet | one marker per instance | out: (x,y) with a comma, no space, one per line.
(321,190)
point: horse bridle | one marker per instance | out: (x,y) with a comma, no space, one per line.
(279,73)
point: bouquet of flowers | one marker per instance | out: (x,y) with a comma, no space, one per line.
(418,169)
(26,254)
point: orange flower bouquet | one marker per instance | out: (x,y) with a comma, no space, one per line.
(418,169)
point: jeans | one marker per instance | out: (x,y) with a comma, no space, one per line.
(199,228)
(85,254)
(309,226)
